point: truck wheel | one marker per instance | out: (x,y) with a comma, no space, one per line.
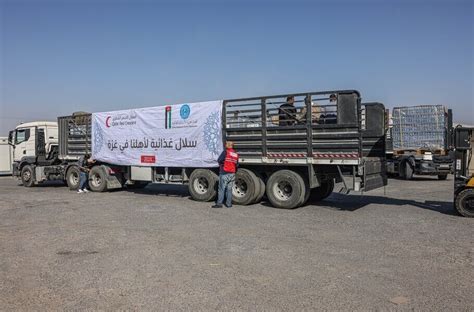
(285,189)
(330,188)
(73,177)
(203,185)
(262,190)
(307,192)
(322,192)
(27,176)
(407,171)
(246,187)
(98,179)
(464,203)
(442,176)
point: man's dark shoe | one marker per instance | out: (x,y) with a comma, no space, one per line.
(229,206)
(217,206)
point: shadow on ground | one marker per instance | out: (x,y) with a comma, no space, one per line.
(172,190)
(354,202)
(335,201)
(48,184)
(418,178)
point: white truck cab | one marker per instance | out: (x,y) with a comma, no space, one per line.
(33,139)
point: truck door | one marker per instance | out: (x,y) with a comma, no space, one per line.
(24,144)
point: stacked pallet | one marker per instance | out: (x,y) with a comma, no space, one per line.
(419,127)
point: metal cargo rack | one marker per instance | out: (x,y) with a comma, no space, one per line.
(342,135)
(74,135)
(321,133)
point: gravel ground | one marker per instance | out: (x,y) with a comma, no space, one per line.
(156,249)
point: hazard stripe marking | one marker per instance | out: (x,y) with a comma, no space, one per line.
(317,155)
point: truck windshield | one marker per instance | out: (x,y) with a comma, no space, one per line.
(22,135)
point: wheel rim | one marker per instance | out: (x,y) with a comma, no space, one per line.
(201,185)
(468,203)
(96,180)
(26,175)
(74,178)
(283,190)
(240,188)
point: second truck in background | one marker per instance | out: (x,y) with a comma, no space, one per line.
(419,141)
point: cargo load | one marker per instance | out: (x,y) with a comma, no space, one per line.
(419,127)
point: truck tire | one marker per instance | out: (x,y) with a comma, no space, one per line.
(286,189)
(73,177)
(464,203)
(203,185)
(442,176)
(322,192)
(262,189)
(307,192)
(98,179)
(407,171)
(246,187)
(27,176)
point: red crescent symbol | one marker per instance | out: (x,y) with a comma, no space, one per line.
(107,122)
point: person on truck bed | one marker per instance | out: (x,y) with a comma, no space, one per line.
(84,163)
(287,112)
(228,161)
(315,114)
(330,116)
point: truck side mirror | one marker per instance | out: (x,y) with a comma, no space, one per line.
(11,138)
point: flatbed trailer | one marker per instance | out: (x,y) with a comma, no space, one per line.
(337,142)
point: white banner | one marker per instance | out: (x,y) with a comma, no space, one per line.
(181,135)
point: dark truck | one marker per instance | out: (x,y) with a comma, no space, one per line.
(420,142)
(320,144)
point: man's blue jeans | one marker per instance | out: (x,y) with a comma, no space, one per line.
(82,180)
(226,183)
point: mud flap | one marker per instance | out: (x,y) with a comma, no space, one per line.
(113,182)
(375,175)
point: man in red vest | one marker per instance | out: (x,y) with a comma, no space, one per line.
(228,161)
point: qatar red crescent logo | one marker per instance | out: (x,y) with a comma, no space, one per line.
(107,122)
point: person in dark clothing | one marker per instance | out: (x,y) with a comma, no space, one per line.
(287,112)
(84,163)
(331,117)
(228,161)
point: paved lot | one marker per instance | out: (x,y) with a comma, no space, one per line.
(159,250)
